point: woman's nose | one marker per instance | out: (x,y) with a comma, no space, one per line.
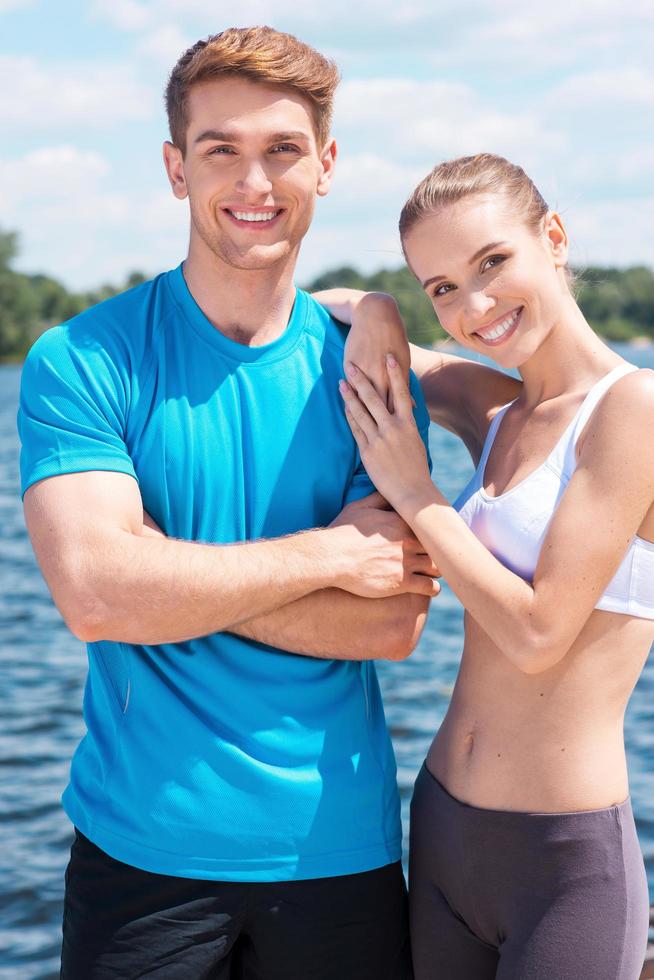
(478,305)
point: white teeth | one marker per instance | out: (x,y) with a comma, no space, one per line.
(500,329)
(255,215)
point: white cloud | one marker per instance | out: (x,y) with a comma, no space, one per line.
(126,15)
(48,96)
(366,245)
(48,174)
(365,12)
(563,93)
(613,232)
(624,87)
(165,44)
(428,121)
(364,178)
(7,5)
(517,39)
(76,225)
(354,24)
(447,30)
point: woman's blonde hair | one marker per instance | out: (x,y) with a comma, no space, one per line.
(484,173)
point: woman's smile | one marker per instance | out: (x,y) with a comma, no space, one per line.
(500,329)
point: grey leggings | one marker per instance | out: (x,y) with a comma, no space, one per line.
(500,895)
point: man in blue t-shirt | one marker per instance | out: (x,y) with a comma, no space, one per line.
(199,511)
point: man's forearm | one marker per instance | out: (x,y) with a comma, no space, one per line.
(114,575)
(333,624)
(160,590)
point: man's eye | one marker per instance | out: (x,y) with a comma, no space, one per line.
(220,150)
(284,148)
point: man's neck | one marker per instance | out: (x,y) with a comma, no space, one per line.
(252,307)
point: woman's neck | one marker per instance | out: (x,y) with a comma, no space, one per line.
(571,358)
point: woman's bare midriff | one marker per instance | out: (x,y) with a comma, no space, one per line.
(549,742)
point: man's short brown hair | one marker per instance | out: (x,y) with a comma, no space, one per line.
(260,54)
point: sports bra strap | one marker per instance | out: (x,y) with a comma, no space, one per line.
(596,394)
(490,437)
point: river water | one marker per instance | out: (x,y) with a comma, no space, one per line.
(42,671)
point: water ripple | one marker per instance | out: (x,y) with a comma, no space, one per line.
(42,671)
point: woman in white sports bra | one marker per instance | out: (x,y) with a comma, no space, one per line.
(524,861)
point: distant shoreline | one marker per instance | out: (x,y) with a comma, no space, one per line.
(636,343)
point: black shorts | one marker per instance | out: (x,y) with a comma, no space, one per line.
(121,922)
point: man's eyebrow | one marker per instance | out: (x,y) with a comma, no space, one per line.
(214,134)
(220,136)
(289,135)
(478,254)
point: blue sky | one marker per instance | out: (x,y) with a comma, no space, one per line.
(565,88)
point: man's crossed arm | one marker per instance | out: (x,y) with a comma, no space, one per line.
(356,590)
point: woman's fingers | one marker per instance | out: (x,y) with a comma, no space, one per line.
(367,393)
(357,410)
(357,431)
(402,400)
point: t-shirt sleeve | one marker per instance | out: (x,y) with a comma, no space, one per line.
(361,484)
(72,409)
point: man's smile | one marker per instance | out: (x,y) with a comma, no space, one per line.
(255,220)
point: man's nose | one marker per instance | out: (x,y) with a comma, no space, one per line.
(254,180)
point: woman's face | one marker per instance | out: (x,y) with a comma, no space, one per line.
(497,286)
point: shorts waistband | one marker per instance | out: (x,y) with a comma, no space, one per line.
(468,811)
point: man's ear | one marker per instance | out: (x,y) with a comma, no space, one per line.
(174,164)
(327,162)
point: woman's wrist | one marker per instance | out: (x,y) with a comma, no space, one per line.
(414,500)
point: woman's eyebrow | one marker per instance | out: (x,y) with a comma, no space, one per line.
(478,254)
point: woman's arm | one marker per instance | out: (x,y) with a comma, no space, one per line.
(461,395)
(534,625)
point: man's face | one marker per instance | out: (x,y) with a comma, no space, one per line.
(251,171)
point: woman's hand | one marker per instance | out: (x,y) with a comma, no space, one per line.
(389,442)
(378,330)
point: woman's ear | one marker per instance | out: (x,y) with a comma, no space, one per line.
(556,238)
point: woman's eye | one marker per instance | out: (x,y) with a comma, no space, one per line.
(492,261)
(443,289)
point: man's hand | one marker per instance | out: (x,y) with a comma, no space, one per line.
(387,558)
(381,555)
(333,623)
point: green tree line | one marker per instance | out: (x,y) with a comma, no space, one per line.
(619,303)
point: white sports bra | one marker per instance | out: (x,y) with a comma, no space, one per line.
(514,524)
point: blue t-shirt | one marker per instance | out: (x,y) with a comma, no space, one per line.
(218,757)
